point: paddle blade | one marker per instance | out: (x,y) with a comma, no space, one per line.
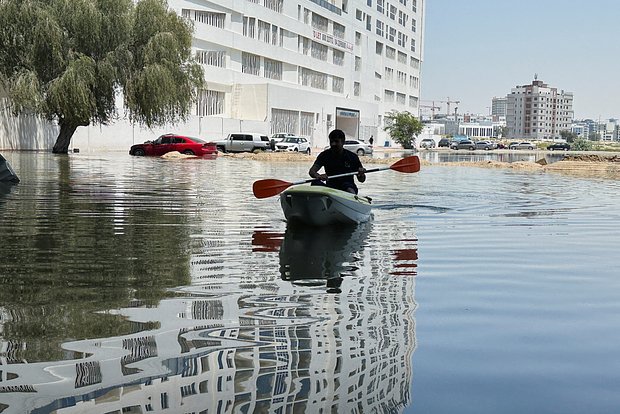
(407,165)
(269,187)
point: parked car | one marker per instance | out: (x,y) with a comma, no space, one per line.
(561,146)
(359,147)
(244,142)
(444,142)
(279,136)
(427,143)
(295,144)
(173,142)
(486,145)
(522,145)
(465,144)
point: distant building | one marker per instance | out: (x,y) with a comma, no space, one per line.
(498,106)
(537,111)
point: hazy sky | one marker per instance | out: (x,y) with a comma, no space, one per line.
(478,49)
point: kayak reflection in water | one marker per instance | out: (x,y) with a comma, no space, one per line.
(337,160)
(321,256)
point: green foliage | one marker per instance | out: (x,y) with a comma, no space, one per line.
(66,60)
(581,144)
(403,127)
(568,135)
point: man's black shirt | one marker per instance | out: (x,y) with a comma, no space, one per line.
(335,164)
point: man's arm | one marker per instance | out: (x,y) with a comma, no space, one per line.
(314,172)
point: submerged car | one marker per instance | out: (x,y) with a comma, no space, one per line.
(559,146)
(173,142)
(294,144)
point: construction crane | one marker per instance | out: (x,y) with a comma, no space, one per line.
(448,102)
(432,108)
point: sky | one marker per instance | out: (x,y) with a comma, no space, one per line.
(477,49)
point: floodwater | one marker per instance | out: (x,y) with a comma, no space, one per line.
(148,285)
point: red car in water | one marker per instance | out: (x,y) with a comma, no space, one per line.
(173,142)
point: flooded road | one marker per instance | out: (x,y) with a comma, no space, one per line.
(149,285)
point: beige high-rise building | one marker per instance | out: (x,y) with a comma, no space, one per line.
(538,111)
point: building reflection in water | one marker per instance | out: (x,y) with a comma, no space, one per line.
(254,342)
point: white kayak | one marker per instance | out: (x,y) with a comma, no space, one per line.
(319,206)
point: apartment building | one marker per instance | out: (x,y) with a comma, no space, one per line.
(538,111)
(306,66)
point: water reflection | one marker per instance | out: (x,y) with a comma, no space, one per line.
(321,256)
(477,156)
(123,293)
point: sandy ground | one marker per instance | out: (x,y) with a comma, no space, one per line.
(584,165)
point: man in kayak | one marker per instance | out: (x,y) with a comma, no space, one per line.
(337,160)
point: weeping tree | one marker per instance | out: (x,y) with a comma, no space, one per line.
(403,127)
(69,60)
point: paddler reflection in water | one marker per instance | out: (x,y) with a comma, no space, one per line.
(337,160)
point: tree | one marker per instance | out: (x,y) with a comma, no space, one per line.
(69,60)
(581,144)
(403,127)
(568,135)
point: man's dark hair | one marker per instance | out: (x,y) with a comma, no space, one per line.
(336,134)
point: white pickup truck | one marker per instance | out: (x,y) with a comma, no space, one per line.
(244,142)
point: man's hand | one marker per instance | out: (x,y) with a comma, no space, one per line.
(361,174)
(322,177)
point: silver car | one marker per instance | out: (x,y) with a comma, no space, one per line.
(523,145)
(358,147)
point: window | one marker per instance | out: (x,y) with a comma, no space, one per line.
(389,73)
(338,30)
(337,84)
(402,39)
(379,48)
(319,22)
(401,77)
(338,57)
(212,19)
(358,38)
(401,98)
(402,18)
(381,6)
(414,63)
(275,5)
(388,95)
(211,57)
(413,101)
(392,34)
(273,69)
(314,79)
(318,51)
(359,15)
(413,45)
(414,5)
(358,63)
(414,25)
(402,57)
(356,88)
(249,27)
(392,12)
(303,45)
(250,63)
(209,103)
(390,52)
(379,28)
(264,31)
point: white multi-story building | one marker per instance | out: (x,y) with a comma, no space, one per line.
(306,66)
(537,111)
(299,66)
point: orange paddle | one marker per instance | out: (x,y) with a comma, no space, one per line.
(270,187)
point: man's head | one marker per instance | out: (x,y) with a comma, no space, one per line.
(336,140)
